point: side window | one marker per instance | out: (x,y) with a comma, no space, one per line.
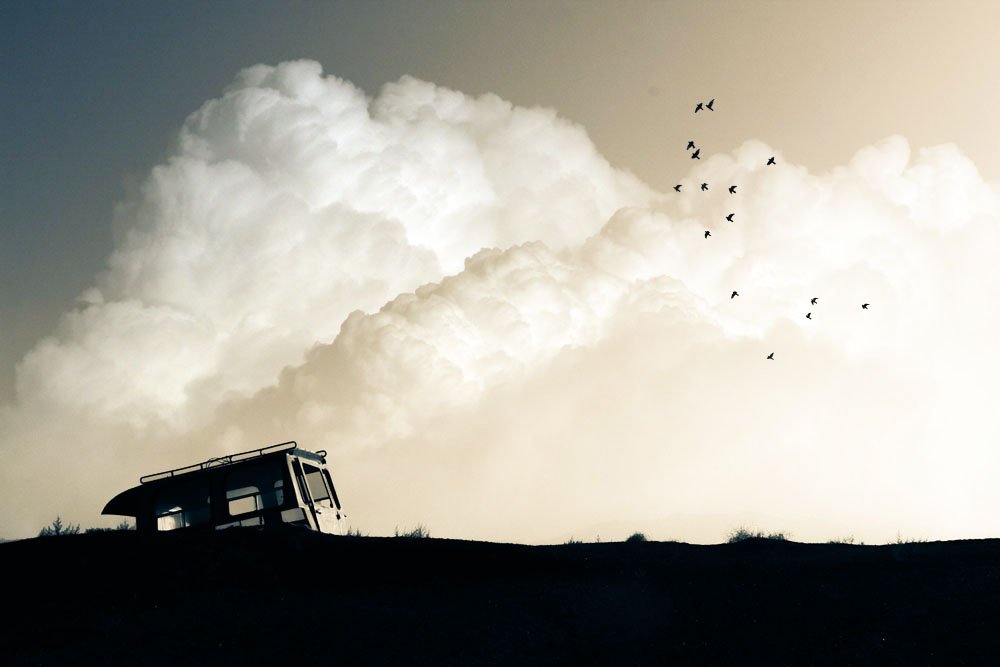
(255,488)
(316,483)
(182,504)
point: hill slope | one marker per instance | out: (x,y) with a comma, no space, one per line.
(247,597)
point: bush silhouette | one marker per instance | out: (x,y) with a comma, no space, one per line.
(57,527)
(742,533)
(636,537)
(122,525)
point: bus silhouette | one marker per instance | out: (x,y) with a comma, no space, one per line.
(278,485)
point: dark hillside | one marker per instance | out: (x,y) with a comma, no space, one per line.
(246,597)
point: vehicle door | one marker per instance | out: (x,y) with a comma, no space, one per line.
(318,492)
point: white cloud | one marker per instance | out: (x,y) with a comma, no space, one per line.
(588,369)
(291,201)
(633,336)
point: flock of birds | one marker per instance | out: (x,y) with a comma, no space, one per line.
(696,155)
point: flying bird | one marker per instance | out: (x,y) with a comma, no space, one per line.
(730,217)
(710,103)
(707,233)
(864,306)
(696,155)
(771,160)
(814,300)
(690,144)
(734,294)
(809,316)
(771,356)
(732,189)
(677,188)
(699,107)
(704,186)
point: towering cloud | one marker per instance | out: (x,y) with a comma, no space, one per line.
(621,378)
(291,201)
(495,333)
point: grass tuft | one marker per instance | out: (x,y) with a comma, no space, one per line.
(419,532)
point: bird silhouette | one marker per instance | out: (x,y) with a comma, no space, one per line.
(677,188)
(732,189)
(704,186)
(710,103)
(771,356)
(771,160)
(864,306)
(707,233)
(813,300)
(734,294)
(809,316)
(730,217)
(699,107)
(690,144)
(696,155)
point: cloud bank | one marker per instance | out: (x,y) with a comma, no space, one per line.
(290,202)
(497,334)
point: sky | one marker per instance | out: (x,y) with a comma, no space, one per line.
(440,240)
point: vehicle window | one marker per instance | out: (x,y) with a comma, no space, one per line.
(182,504)
(249,521)
(317,486)
(255,488)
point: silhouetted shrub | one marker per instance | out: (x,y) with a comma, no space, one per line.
(907,540)
(574,541)
(844,540)
(356,532)
(419,531)
(122,525)
(57,527)
(636,537)
(742,533)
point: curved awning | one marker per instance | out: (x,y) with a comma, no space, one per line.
(126,503)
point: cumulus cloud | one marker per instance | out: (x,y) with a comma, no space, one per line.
(497,334)
(291,201)
(630,358)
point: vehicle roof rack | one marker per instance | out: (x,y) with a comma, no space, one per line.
(226,460)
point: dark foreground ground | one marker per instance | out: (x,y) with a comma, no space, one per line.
(251,598)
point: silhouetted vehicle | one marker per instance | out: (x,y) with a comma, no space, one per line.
(278,485)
